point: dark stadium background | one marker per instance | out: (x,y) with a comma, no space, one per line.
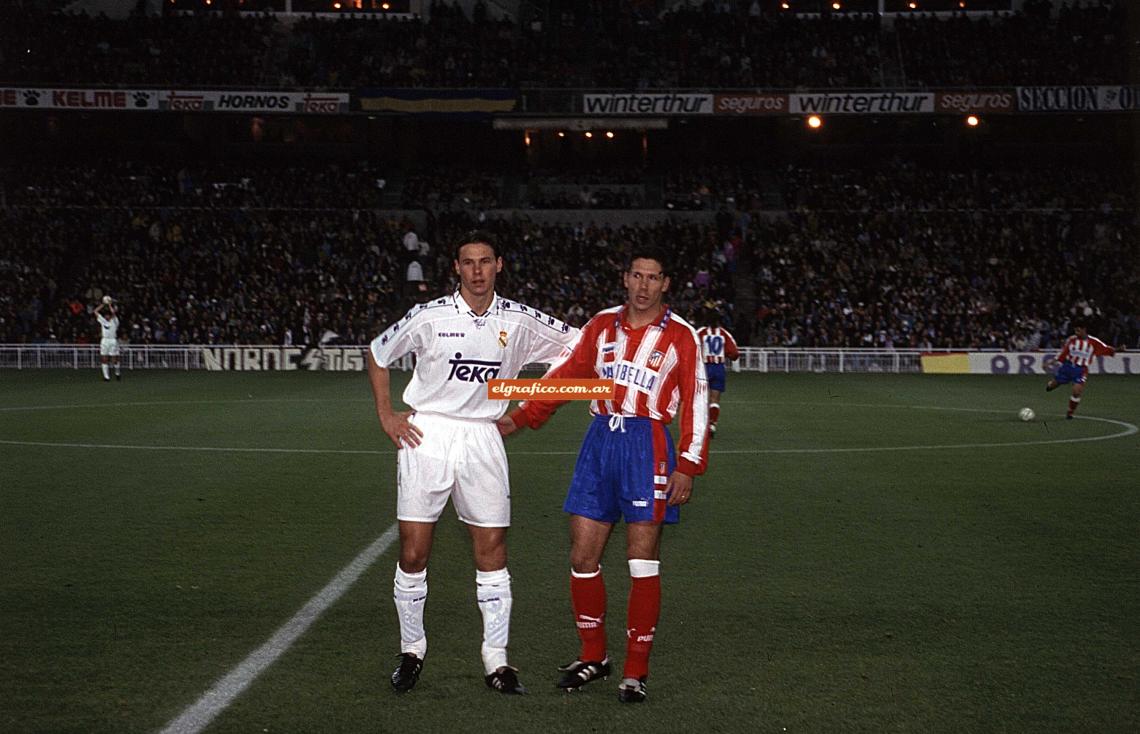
(868,552)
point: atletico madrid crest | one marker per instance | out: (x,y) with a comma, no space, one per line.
(655,360)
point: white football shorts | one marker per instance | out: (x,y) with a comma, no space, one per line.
(109,347)
(457,458)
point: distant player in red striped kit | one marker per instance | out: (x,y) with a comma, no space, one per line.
(1075,358)
(717,347)
(627,467)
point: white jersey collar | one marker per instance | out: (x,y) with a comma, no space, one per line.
(462,306)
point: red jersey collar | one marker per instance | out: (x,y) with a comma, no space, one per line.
(620,321)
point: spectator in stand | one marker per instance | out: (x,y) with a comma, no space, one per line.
(954,260)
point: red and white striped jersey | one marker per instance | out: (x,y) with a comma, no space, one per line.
(1082,351)
(654,369)
(717,345)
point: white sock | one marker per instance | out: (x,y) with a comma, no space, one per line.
(410,594)
(640,568)
(106,372)
(116,369)
(493,591)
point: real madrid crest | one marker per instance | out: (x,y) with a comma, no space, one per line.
(503,339)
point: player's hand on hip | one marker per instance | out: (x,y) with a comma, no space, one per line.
(401,430)
(506,426)
(679,489)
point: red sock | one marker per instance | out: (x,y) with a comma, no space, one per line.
(714,413)
(1073,403)
(588,597)
(644,609)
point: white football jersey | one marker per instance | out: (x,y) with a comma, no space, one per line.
(110,326)
(457,351)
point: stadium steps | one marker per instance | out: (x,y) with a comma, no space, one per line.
(654,196)
(393,196)
(512,192)
(744,296)
(277,49)
(892,71)
(771,190)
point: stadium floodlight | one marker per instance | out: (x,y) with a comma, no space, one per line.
(836,6)
(610,134)
(785,6)
(815,122)
(589,134)
(561,134)
(973,120)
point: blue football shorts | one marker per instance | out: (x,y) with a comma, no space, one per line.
(715,374)
(1069,372)
(621,472)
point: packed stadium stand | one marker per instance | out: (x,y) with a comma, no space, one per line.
(596,44)
(261,230)
(925,259)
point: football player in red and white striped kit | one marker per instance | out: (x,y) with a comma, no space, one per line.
(717,346)
(627,467)
(1076,355)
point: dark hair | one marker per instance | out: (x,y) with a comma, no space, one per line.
(480,236)
(648,252)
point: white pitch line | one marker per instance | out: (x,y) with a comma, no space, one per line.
(152,403)
(214,701)
(228,449)
(1129,429)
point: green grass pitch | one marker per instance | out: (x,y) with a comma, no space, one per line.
(866,553)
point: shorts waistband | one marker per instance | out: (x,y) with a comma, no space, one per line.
(456,418)
(627,418)
(616,422)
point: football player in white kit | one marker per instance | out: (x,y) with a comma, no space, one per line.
(449,446)
(109,341)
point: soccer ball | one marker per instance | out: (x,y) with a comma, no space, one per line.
(107,300)
(1026,414)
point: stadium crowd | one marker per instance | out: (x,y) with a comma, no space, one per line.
(926,258)
(898,185)
(926,279)
(595,44)
(1084,43)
